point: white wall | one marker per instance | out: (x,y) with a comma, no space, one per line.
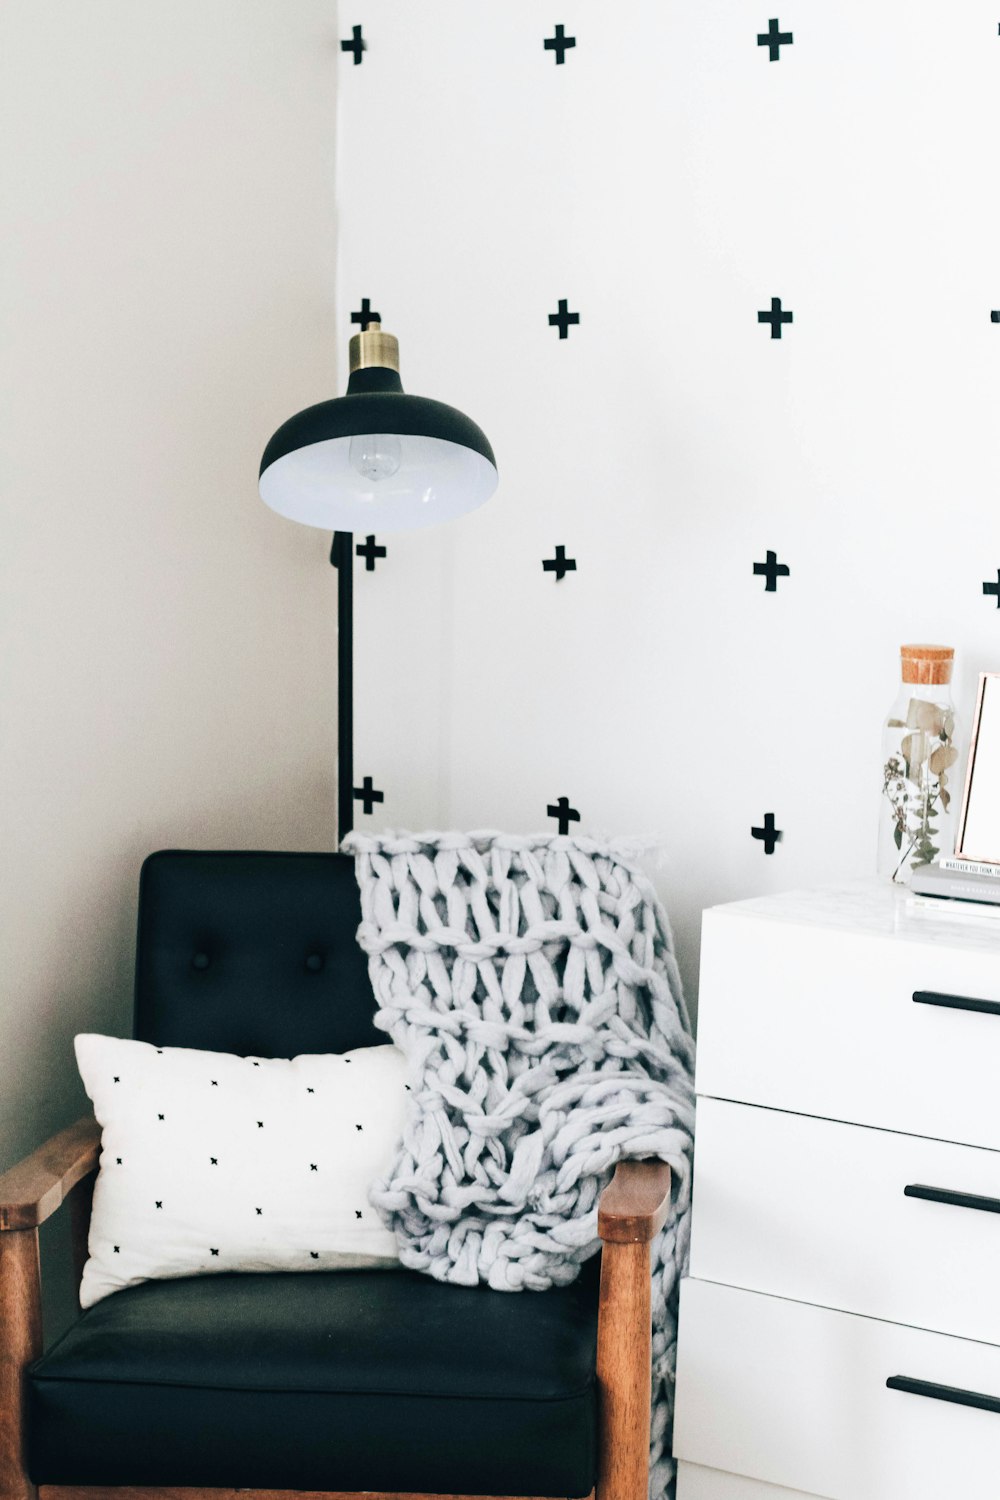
(168,655)
(669,180)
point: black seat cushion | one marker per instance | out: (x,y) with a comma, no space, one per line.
(251,952)
(368,1380)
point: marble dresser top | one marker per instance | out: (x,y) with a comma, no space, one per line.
(877,908)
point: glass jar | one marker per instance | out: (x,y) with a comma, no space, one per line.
(916,825)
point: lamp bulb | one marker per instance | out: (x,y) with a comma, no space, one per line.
(376,455)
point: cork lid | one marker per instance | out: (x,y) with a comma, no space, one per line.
(927,664)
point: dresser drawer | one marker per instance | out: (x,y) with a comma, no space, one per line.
(796,1395)
(822,1021)
(817,1211)
(697,1483)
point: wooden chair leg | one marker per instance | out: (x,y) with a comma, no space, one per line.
(20,1343)
(624,1378)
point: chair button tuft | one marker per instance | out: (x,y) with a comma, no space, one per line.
(314,962)
(200,961)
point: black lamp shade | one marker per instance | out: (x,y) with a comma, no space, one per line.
(446,465)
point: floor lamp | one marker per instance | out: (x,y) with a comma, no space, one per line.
(374,460)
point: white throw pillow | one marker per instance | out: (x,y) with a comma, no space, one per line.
(212,1162)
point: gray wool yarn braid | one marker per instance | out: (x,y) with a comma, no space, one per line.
(531,983)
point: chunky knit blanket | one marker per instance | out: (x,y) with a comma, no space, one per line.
(532,985)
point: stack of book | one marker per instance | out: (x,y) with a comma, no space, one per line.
(964,886)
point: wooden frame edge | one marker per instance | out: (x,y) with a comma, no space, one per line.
(970,765)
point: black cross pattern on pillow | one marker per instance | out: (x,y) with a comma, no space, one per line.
(260,1124)
(116,1079)
(117,1249)
(118,1161)
(314,1255)
(213,1252)
(161,1117)
(357,1213)
(313,1166)
(213,1161)
(259,1212)
(159,1202)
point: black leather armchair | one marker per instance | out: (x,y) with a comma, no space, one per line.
(337,1383)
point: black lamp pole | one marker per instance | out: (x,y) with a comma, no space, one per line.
(311,472)
(342,557)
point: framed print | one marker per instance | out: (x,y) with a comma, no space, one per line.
(979,824)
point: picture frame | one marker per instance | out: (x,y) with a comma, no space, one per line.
(978,835)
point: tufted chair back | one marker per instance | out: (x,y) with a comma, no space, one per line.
(252,953)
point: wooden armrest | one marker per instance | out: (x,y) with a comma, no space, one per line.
(632,1209)
(35,1188)
(634,1205)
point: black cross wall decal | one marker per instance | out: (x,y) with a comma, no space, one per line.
(564,813)
(993,588)
(563,318)
(367,795)
(772,570)
(768,833)
(772,38)
(560,565)
(370,552)
(365,315)
(559,44)
(357,44)
(775,317)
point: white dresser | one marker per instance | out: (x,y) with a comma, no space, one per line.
(840,1327)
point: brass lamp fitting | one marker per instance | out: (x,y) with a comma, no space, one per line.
(373,348)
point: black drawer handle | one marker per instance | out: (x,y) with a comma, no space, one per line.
(945,1195)
(956,1002)
(943,1393)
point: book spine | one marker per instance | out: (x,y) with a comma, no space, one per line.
(969,867)
(935,906)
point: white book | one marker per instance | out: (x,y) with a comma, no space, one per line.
(969,867)
(931,880)
(943,910)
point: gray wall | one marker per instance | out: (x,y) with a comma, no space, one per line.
(167,644)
